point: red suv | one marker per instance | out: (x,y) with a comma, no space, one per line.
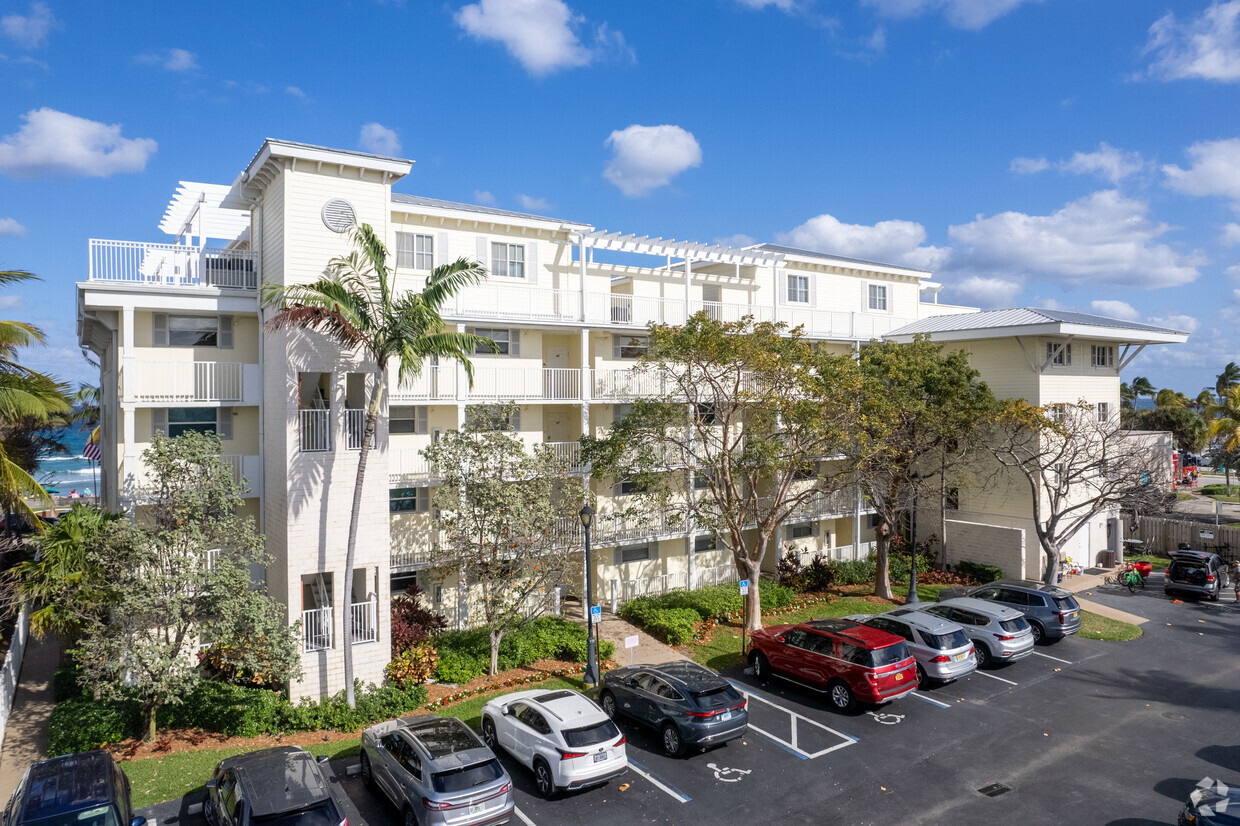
(850,661)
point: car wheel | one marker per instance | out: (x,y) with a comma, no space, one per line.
(841,696)
(410,818)
(672,744)
(983,655)
(922,679)
(1217,589)
(1039,635)
(761,665)
(544,780)
(488,734)
(608,702)
(368,775)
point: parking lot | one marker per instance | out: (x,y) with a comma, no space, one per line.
(1081,731)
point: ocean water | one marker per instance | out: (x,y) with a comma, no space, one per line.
(69,471)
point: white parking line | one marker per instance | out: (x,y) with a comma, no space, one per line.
(993,677)
(1056,659)
(680,796)
(929,700)
(791,745)
(521,815)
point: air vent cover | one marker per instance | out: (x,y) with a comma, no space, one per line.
(338,215)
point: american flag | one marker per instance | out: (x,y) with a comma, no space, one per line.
(91,452)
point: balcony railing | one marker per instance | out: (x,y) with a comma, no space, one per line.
(507,383)
(567,455)
(315,430)
(365,618)
(500,301)
(626,383)
(634,310)
(316,629)
(189,381)
(172,265)
(355,428)
(431,384)
(409,465)
(726,312)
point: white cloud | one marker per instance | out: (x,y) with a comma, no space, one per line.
(1107,162)
(31,31)
(740,239)
(484,198)
(540,34)
(1176,321)
(296,92)
(963,14)
(782,5)
(890,242)
(52,143)
(1206,47)
(1230,235)
(984,292)
(1103,238)
(532,204)
(378,139)
(8,302)
(1115,309)
(1233,271)
(9,228)
(1215,170)
(648,157)
(174,60)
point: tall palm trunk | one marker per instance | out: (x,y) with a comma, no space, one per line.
(350,560)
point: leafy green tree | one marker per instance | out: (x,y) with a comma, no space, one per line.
(1190,430)
(1126,395)
(502,510)
(1226,380)
(358,306)
(1225,425)
(755,410)
(923,412)
(1204,399)
(1141,387)
(179,575)
(1171,398)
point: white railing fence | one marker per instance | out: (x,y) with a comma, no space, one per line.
(506,383)
(316,629)
(432,383)
(12,667)
(567,454)
(315,426)
(355,428)
(175,265)
(498,301)
(189,381)
(365,618)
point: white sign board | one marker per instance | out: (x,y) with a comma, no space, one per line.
(744,587)
(596,613)
(630,642)
(1206,534)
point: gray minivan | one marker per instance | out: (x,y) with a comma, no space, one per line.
(1053,612)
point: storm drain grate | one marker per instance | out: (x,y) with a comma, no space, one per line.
(994,789)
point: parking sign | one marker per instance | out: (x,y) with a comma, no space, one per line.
(744,587)
(596,613)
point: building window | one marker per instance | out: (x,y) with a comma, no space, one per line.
(878,297)
(798,289)
(801,531)
(1104,411)
(508,260)
(1059,412)
(706,414)
(415,252)
(627,487)
(409,500)
(633,553)
(1059,355)
(169,330)
(408,419)
(507,342)
(1101,356)
(701,481)
(619,411)
(629,347)
(191,419)
(705,542)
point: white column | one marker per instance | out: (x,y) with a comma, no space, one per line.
(129,370)
(581,264)
(689,493)
(688,284)
(462,388)
(778,273)
(857,525)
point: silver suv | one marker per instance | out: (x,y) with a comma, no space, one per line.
(999,633)
(1053,612)
(1196,572)
(941,648)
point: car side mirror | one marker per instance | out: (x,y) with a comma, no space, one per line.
(212,784)
(137,821)
(322,759)
(780,638)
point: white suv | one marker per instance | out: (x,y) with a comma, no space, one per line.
(562,736)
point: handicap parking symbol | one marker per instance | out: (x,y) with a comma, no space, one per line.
(727,775)
(886,719)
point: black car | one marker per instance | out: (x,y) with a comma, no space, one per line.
(86,789)
(690,705)
(282,786)
(1212,804)
(1196,572)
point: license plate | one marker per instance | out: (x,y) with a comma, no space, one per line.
(960,656)
(599,758)
(899,676)
(477,808)
(727,715)
(1074,615)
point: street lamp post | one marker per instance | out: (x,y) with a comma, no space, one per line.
(912,571)
(590,678)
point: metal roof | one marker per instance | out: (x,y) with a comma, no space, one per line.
(826,256)
(1023,317)
(436,203)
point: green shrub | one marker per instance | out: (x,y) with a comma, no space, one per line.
(982,573)
(774,596)
(855,571)
(65,683)
(82,724)
(464,655)
(672,625)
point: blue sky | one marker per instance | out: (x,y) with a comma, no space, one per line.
(1082,154)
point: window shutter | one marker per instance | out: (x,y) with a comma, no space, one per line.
(615,345)
(514,343)
(781,285)
(441,250)
(226,332)
(813,291)
(516,420)
(420,424)
(484,252)
(618,490)
(422,500)
(654,549)
(619,559)
(159,334)
(1067,355)
(531,263)
(159,420)
(224,423)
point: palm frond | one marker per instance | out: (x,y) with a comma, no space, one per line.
(16,277)
(448,279)
(18,488)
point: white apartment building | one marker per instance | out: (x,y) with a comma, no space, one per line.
(177,327)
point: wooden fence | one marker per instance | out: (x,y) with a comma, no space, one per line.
(1165,535)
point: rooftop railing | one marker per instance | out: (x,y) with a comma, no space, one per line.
(172,265)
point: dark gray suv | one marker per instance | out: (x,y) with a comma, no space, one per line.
(1196,572)
(1053,613)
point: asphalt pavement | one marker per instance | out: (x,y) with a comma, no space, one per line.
(1083,731)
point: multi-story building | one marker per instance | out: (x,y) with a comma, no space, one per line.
(178,329)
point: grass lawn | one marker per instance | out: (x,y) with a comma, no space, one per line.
(1220,492)
(157,779)
(1094,627)
(1184,497)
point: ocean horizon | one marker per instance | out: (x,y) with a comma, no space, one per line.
(71,470)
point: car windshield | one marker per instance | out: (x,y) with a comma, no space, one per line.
(720,697)
(323,814)
(98,816)
(890,655)
(1066,603)
(467,777)
(1017,624)
(945,642)
(590,735)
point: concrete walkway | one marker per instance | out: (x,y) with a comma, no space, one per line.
(25,735)
(648,650)
(1082,583)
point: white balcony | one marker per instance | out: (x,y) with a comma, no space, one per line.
(626,383)
(567,455)
(408,466)
(634,310)
(513,383)
(316,629)
(365,619)
(433,383)
(725,312)
(181,382)
(172,265)
(493,300)
(355,428)
(315,430)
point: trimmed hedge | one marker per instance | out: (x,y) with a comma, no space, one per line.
(862,571)
(674,626)
(80,723)
(672,616)
(465,655)
(982,573)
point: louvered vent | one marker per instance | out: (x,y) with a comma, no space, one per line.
(338,215)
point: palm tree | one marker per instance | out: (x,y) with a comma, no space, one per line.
(1225,424)
(1141,387)
(1126,395)
(1170,398)
(86,408)
(1227,379)
(355,305)
(1204,399)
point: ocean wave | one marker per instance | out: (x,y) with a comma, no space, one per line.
(50,459)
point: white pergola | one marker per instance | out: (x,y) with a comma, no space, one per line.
(194,214)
